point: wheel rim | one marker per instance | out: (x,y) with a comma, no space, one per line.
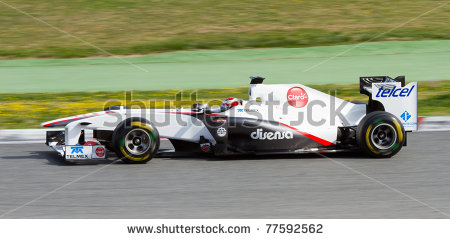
(384,136)
(137,141)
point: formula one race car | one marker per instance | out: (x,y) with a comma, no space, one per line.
(276,119)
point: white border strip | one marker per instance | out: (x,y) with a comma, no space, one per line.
(220,228)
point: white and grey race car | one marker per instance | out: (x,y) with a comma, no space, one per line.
(276,119)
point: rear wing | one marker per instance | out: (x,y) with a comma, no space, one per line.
(393,96)
(365,82)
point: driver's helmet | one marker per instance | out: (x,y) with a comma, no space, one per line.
(229,103)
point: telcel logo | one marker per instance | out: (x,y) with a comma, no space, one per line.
(77,149)
(259,134)
(394,92)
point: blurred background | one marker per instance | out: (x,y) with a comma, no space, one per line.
(60,58)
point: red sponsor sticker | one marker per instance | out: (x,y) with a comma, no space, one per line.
(297,97)
(100,152)
(205,148)
(90,143)
(221,120)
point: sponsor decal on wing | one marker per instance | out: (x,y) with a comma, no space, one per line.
(386,91)
(100,152)
(83,152)
(78,152)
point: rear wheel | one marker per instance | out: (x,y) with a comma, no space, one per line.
(135,141)
(380,134)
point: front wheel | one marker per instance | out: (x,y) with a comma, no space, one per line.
(135,141)
(380,134)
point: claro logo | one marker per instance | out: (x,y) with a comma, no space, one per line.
(297,97)
(259,134)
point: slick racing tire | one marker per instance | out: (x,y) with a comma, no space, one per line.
(380,134)
(135,141)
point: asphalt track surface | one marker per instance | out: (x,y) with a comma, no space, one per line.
(413,184)
(211,69)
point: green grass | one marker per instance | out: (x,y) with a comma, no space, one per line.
(150,26)
(29,110)
(212,69)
